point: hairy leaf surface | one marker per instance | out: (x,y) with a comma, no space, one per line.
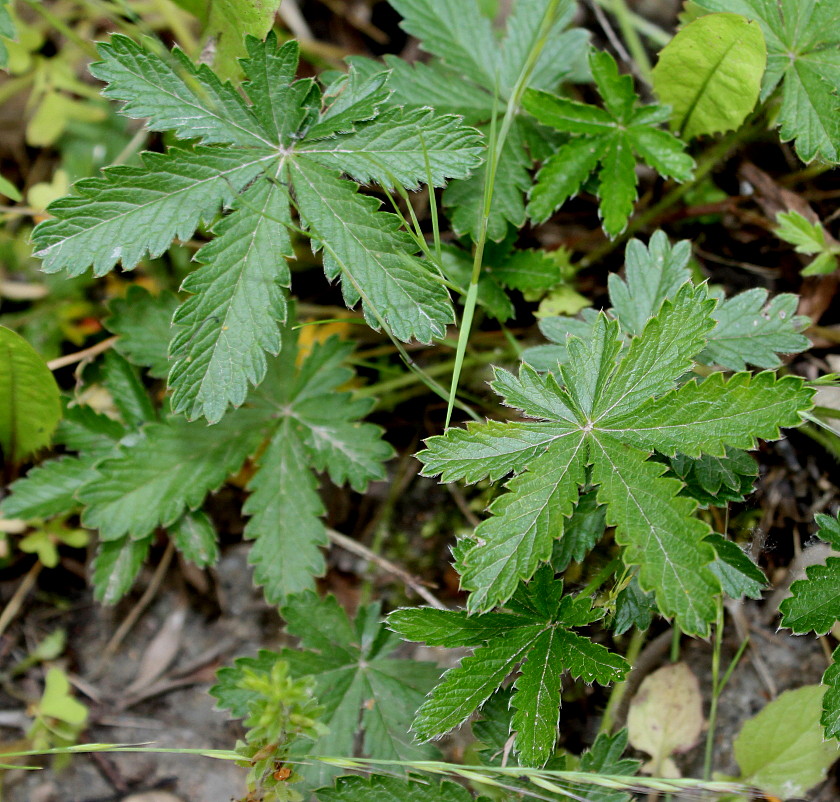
(611,408)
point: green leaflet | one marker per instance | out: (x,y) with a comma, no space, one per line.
(194,536)
(116,566)
(814,603)
(658,531)
(317,429)
(49,489)
(613,407)
(142,208)
(143,323)
(802,39)
(251,147)
(537,630)
(129,481)
(224,330)
(749,329)
(607,137)
(30,408)
(472,75)
(358,682)
(171,469)
(710,74)
(372,256)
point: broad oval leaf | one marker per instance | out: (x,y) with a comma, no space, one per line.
(710,73)
(782,750)
(30,409)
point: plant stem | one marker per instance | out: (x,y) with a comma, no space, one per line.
(654,33)
(407,379)
(676,634)
(494,154)
(716,689)
(631,38)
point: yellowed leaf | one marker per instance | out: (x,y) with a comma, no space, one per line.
(666,717)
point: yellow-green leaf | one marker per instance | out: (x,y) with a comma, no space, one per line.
(29,403)
(710,73)
(57,701)
(229,22)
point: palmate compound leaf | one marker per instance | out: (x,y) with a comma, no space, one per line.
(599,417)
(307,426)
(535,633)
(803,56)
(475,76)
(749,330)
(131,481)
(285,130)
(608,137)
(360,685)
(317,427)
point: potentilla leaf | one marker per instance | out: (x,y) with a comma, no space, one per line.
(609,137)
(358,682)
(610,405)
(537,630)
(402,146)
(133,211)
(658,531)
(224,330)
(814,603)
(802,39)
(374,258)
(317,430)
(279,128)
(171,469)
(286,520)
(143,323)
(175,95)
(456,32)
